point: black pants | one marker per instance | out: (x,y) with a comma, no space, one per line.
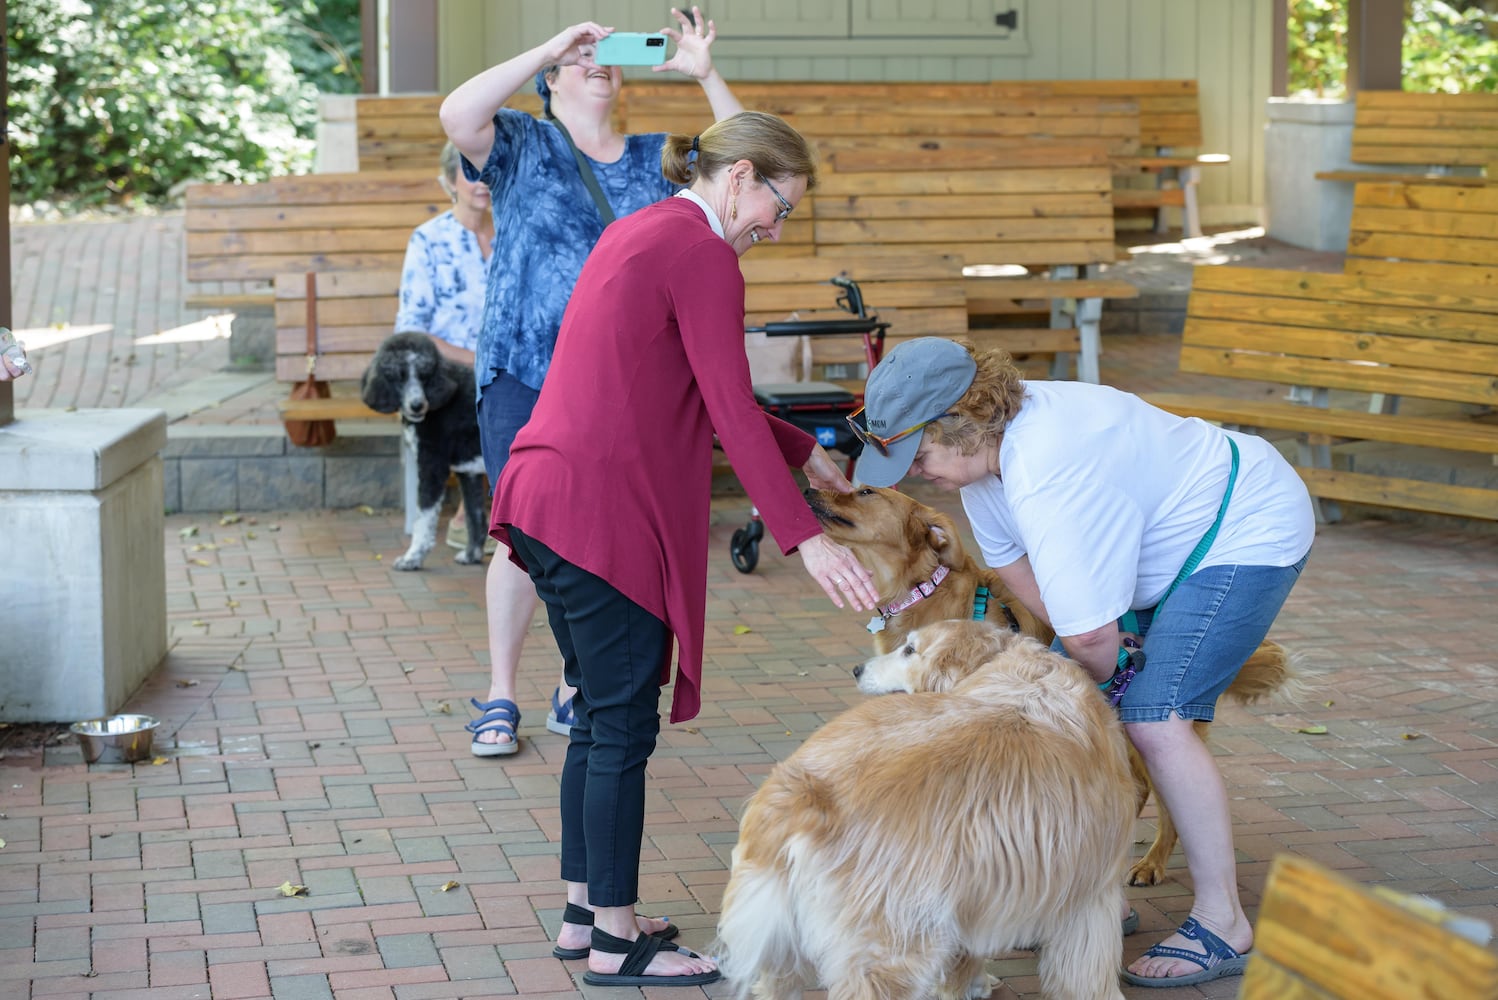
(612,651)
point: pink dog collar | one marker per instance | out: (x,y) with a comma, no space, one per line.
(917,594)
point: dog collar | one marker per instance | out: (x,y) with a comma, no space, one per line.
(918,593)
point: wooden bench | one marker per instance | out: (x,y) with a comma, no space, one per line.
(1344,343)
(317,222)
(1320,936)
(1416,234)
(1434,138)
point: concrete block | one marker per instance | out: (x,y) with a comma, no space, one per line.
(84,575)
(355,480)
(294,482)
(171,485)
(210,484)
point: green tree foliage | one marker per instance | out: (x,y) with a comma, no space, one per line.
(120,101)
(1448,47)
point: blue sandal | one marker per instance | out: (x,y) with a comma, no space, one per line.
(499,716)
(561,717)
(1219,961)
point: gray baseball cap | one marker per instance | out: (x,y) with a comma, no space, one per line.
(917,382)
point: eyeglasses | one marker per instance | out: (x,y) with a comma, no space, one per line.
(785,206)
(881,444)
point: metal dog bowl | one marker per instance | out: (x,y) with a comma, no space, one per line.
(119,739)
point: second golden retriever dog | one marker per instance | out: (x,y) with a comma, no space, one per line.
(906,544)
(913,837)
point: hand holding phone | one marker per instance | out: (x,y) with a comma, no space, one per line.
(630,48)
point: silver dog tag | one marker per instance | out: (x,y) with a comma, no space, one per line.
(875,625)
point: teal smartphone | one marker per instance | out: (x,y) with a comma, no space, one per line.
(630,48)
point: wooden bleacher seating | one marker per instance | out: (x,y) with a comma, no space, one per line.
(1170,140)
(404,133)
(1037,204)
(1430,138)
(404,130)
(1320,936)
(316,222)
(1347,343)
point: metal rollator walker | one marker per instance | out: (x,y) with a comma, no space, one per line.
(819,408)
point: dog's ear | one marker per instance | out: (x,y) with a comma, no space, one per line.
(442,384)
(377,388)
(941,535)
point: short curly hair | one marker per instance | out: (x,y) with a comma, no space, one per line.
(986,408)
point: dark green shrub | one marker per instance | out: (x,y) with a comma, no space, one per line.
(119,101)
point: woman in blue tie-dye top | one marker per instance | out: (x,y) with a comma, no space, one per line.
(547,223)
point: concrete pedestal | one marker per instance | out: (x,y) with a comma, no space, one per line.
(82,561)
(1302,137)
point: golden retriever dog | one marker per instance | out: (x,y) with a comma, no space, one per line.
(904,543)
(913,837)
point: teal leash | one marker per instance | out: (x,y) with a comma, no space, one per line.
(1130,656)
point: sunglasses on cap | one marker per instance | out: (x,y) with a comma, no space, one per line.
(881,444)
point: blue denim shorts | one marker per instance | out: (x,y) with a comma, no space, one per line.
(505,404)
(1195,644)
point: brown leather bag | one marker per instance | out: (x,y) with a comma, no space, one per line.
(311,433)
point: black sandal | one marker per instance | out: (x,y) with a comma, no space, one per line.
(637,955)
(574,914)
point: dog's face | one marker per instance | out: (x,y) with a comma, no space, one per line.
(937,657)
(897,538)
(402,375)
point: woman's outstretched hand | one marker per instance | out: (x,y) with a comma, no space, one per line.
(839,573)
(693,41)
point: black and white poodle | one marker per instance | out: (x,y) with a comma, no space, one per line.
(435,398)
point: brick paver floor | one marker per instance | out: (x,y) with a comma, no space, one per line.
(313,700)
(312,708)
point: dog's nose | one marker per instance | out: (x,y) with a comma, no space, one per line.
(858,671)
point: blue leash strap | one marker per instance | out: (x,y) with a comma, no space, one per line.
(1130,656)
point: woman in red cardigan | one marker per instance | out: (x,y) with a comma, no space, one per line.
(605,501)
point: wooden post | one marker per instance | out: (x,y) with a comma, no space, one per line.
(1375,34)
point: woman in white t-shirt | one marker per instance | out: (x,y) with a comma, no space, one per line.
(1089,502)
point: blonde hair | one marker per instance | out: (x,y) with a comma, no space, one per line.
(775,149)
(985,409)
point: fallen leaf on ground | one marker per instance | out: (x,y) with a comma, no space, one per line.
(2,843)
(1328,704)
(187,684)
(229,519)
(198,623)
(231,603)
(200,562)
(1410,736)
(445,708)
(158,761)
(365,509)
(287,889)
(188,532)
(447,886)
(1312,730)
(741,629)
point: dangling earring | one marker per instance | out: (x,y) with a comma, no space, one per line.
(733,210)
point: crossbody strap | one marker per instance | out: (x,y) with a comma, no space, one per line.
(1130,622)
(586,170)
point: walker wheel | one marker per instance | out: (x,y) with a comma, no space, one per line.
(744,550)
